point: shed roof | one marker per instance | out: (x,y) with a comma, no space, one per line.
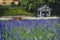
(44,7)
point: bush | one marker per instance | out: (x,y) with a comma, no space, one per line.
(17,11)
(13,4)
(13,11)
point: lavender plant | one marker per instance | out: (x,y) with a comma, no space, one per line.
(32,30)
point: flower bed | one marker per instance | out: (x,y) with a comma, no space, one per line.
(43,29)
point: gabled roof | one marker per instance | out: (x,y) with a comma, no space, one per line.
(44,7)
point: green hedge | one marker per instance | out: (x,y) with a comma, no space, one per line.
(17,11)
(13,11)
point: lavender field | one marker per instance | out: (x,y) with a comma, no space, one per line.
(43,29)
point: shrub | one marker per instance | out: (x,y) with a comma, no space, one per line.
(13,4)
(17,12)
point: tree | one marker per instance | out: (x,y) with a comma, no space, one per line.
(33,5)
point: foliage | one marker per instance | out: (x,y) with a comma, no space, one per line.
(13,11)
(48,31)
(16,33)
(13,4)
(33,5)
(2,9)
(17,11)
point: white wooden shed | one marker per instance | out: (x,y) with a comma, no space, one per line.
(44,11)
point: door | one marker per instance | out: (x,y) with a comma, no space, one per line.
(45,13)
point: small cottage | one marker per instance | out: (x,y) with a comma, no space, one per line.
(44,11)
